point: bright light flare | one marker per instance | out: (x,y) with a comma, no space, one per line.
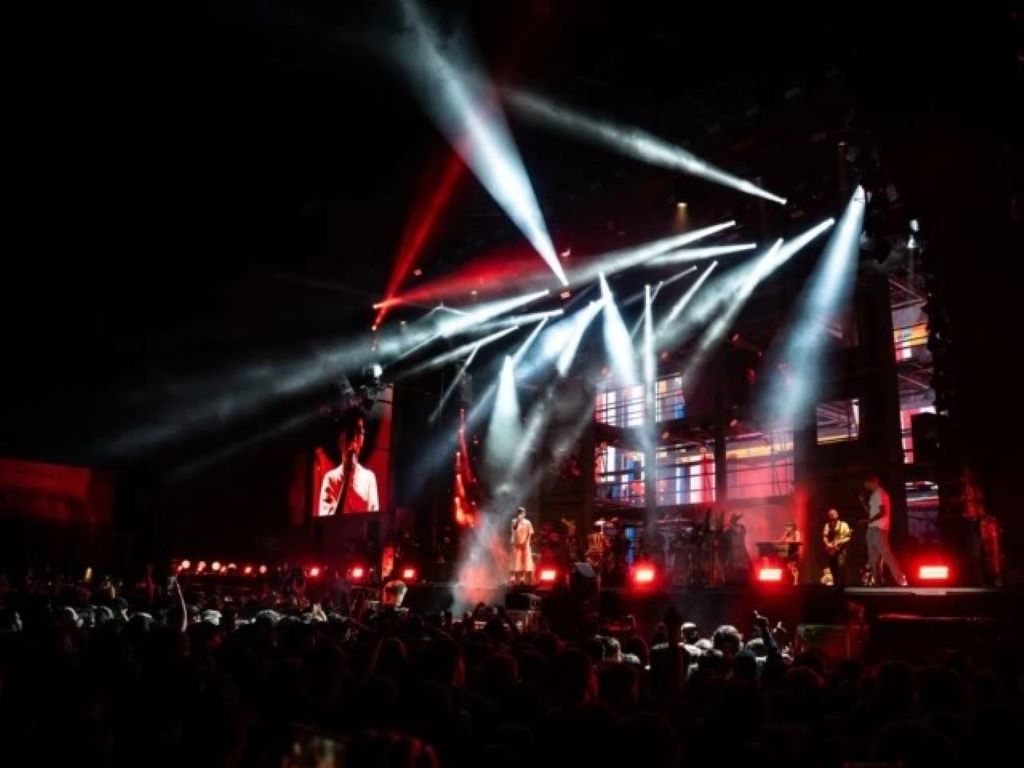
(630,141)
(547,575)
(357,573)
(409,574)
(769,575)
(455,93)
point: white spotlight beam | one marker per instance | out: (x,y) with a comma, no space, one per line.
(752,276)
(627,258)
(455,93)
(617,343)
(520,353)
(459,352)
(453,326)
(570,341)
(630,141)
(696,254)
(526,319)
(802,346)
(451,387)
(505,429)
(680,305)
(649,361)
(639,295)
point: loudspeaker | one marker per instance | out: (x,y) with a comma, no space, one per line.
(522,601)
(926,430)
(583,581)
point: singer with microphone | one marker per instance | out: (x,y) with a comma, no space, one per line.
(350,487)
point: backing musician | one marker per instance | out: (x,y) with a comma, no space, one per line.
(836,536)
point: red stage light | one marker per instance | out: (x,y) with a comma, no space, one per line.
(934,572)
(248,570)
(184,565)
(314,572)
(357,572)
(263,569)
(433,201)
(548,575)
(232,566)
(769,575)
(644,574)
(201,566)
(409,574)
(215,565)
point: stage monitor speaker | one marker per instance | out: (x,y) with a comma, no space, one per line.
(522,601)
(583,581)
(428,599)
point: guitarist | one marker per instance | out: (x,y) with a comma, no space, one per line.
(836,537)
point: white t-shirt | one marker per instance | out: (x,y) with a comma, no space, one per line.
(362,494)
(879,499)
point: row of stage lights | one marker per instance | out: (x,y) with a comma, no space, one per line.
(644,576)
(354,573)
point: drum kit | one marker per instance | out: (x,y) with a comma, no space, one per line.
(687,552)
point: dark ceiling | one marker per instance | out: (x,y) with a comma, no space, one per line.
(193,187)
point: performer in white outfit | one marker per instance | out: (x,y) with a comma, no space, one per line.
(350,487)
(522,557)
(879,512)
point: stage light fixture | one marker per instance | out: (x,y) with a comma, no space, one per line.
(200,566)
(247,570)
(314,572)
(409,574)
(644,575)
(215,566)
(933,572)
(263,569)
(547,575)
(769,575)
(184,565)
(357,573)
